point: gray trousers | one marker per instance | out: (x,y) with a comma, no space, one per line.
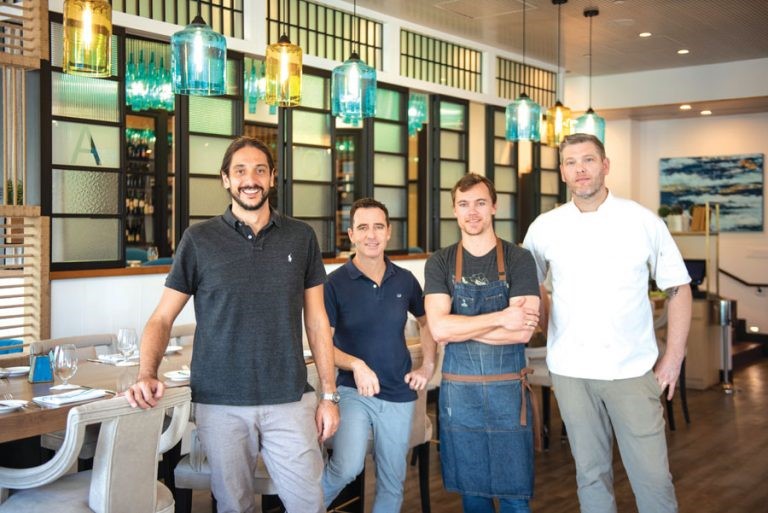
(590,408)
(284,434)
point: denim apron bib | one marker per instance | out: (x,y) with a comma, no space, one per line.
(486,438)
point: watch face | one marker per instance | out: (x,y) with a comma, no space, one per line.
(334,397)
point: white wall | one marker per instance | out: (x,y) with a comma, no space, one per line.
(644,143)
(102,305)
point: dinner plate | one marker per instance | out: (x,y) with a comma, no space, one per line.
(307,354)
(15,371)
(173,349)
(9,405)
(177,375)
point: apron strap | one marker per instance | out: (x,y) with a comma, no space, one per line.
(522,376)
(499,261)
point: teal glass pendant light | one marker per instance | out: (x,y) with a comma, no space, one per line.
(417,112)
(198,59)
(523,116)
(590,122)
(353,86)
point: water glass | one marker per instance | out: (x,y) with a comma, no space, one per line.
(65,363)
(127,342)
(152,253)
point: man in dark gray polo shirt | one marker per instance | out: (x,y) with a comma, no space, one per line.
(251,271)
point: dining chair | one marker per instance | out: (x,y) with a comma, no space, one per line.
(182,334)
(536,359)
(88,346)
(124,475)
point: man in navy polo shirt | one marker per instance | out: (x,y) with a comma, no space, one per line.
(368,300)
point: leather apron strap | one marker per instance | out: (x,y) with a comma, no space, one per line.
(499,261)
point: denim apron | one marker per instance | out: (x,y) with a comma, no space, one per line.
(486,445)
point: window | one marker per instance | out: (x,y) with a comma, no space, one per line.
(501,169)
(441,62)
(225,17)
(513,78)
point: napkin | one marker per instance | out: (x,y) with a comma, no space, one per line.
(74,396)
(117,358)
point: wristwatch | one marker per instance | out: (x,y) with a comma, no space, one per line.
(334,397)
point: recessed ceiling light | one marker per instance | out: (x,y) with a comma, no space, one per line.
(706,112)
(645,34)
(683,51)
(685,106)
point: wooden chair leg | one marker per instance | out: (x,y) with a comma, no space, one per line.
(183,498)
(546,414)
(423,456)
(670,413)
(563,434)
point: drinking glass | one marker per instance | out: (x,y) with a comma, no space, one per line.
(65,364)
(151,253)
(127,342)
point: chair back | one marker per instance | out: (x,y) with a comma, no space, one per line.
(536,359)
(182,334)
(88,346)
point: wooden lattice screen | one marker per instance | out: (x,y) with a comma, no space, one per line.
(23,33)
(25,307)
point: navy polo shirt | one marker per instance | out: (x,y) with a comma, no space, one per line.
(369,322)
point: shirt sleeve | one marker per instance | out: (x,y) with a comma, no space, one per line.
(667,265)
(531,243)
(331,303)
(315,272)
(183,276)
(416,301)
(436,275)
(522,276)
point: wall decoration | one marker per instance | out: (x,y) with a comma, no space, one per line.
(734,181)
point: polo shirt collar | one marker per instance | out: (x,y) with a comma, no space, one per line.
(274,219)
(355,273)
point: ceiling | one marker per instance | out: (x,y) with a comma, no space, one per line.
(713,31)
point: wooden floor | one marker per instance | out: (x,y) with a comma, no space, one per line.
(719,462)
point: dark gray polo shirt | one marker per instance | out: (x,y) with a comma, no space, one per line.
(248,294)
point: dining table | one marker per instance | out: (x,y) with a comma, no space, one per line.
(33,419)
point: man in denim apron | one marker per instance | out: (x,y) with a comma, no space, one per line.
(482,303)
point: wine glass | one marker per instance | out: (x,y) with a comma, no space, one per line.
(152,253)
(127,341)
(65,364)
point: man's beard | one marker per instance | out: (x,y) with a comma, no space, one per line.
(246,206)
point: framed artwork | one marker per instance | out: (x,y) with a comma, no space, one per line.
(735,182)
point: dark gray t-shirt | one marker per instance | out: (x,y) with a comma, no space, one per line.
(519,265)
(248,294)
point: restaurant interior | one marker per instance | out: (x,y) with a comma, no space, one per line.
(112,148)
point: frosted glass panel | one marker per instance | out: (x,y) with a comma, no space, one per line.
(211,115)
(548,157)
(311,200)
(548,203)
(452,115)
(451,145)
(505,179)
(84,192)
(505,206)
(312,164)
(80,97)
(388,170)
(505,230)
(262,114)
(315,92)
(550,181)
(78,144)
(322,228)
(311,128)
(388,104)
(206,153)
(388,137)
(499,124)
(207,197)
(446,204)
(397,240)
(396,200)
(449,233)
(450,173)
(84,240)
(502,152)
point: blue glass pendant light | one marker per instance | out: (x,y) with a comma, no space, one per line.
(198,60)
(417,112)
(590,122)
(523,115)
(353,86)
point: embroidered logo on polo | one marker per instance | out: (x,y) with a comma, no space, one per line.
(290,257)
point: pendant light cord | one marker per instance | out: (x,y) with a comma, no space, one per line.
(355,41)
(590,62)
(559,18)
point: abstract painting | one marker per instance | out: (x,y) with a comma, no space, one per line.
(735,182)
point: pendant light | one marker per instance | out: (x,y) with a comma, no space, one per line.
(283,68)
(417,112)
(591,123)
(523,115)
(198,59)
(87,38)
(353,85)
(559,116)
